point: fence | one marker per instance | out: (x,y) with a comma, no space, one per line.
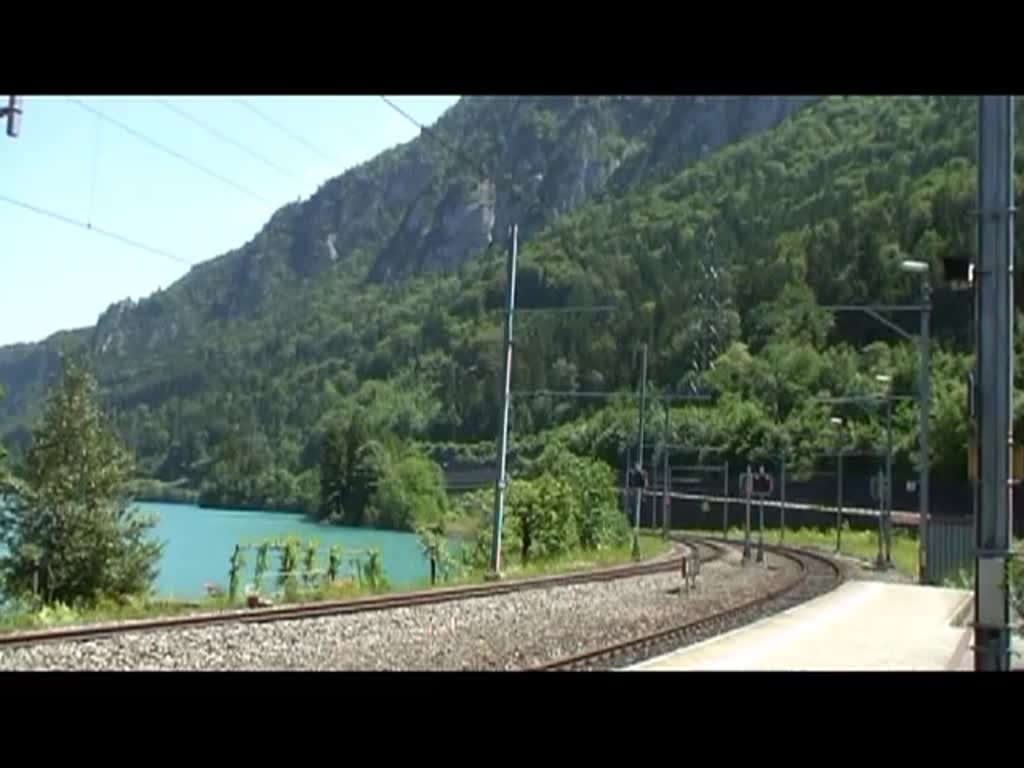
(810,501)
(950,548)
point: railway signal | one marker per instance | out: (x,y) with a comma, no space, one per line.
(761,485)
(747,487)
(637,478)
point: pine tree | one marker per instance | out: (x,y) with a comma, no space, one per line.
(71,534)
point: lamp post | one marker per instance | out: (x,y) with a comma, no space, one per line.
(875,400)
(924,394)
(838,422)
(883,378)
(923,382)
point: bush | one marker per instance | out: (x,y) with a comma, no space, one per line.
(540,518)
(409,493)
(593,495)
(561,502)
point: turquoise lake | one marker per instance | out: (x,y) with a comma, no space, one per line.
(199,543)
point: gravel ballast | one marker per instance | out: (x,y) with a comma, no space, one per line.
(504,632)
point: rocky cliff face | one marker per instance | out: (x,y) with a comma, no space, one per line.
(555,155)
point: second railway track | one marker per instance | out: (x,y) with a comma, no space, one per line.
(816,575)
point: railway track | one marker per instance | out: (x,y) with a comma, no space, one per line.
(816,575)
(709,552)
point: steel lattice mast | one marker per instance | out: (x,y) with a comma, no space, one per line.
(711,301)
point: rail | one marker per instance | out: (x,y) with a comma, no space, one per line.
(647,646)
(668,562)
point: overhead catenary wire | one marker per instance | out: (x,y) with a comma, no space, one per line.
(173,153)
(227,139)
(98,230)
(95,170)
(288,132)
(478,166)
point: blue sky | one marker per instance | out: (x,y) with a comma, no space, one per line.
(69,161)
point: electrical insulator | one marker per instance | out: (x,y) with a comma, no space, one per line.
(13,113)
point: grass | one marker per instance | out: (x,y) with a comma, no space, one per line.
(140,608)
(862,545)
(651,545)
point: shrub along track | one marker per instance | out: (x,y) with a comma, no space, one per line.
(708,552)
(815,576)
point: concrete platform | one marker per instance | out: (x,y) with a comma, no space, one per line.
(861,626)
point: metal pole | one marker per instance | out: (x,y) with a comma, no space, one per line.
(725,504)
(924,384)
(839,500)
(665,481)
(499,486)
(880,559)
(760,530)
(625,487)
(994,361)
(888,481)
(640,441)
(746,534)
(452,399)
(782,499)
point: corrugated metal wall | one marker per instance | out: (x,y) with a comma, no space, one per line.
(950,547)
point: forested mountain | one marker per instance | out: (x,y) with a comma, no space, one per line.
(380,293)
(418,207)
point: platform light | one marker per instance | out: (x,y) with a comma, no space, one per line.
(914,266)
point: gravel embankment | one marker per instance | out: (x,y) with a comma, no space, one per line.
(504,632)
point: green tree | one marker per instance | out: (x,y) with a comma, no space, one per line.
(70,532)
(410,493)
(350,466)
(591,496)
(540,518)
(333,468)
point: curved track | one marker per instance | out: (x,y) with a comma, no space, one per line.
(816,575)
(669,562)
